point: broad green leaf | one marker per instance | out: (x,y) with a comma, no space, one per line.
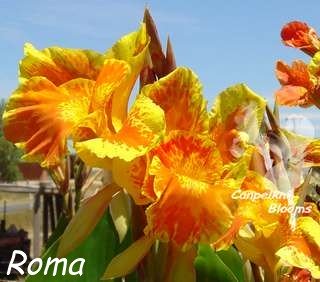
(211,267)
(97,250)
(232,259)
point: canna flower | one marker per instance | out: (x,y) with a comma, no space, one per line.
(178,92)
(297,88)
(189,190)
(236,119)
(286,246)
(185,178)
(299,35)
(272,241)
(63,89)
(302,247)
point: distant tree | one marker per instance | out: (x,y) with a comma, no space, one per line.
(9,155)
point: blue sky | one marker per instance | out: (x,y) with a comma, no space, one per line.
(224,42)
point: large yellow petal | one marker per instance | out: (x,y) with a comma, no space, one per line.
(238,107)
(60,65)
(310,229)
(292,256)
(140,133)
(113,75)
(131,48)
(124,263)
(40,116)
(85,220)
(179,94)
(131,176)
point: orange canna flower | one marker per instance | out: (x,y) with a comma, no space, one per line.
(48,107)
(178,92)
(191,194)
(297,88)
(299,35)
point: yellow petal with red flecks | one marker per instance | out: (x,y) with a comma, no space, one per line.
(302,249)
(190,211)
(292,256)
(60,65)
(311,230)
(191,196)
(312,153)
(179,94)
(91,126)
(131,176)
(131,48)
(112,75)
(140,133)
(40,116)
(191,155)
(238,107)
(257,210)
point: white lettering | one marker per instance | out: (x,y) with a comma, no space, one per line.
(56,262)
(35,270)
(80,270)
(16,266)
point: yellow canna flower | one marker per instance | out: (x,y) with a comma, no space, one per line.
(64,90)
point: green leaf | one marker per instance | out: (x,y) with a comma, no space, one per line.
(232,259)
(97,250)
(220,266)
(61,226)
